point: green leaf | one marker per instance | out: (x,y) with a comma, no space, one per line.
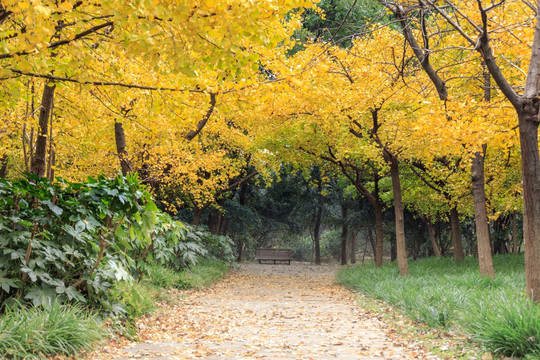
(7,284)
(55,209)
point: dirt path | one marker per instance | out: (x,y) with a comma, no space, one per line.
(269,312)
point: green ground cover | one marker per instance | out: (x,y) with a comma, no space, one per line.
(444,294)
(37,332)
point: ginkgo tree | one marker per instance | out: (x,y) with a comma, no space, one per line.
(156,70)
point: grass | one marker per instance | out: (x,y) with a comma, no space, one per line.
(33,333)
(206,272)
(447,295)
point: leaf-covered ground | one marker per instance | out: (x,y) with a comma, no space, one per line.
(268,312)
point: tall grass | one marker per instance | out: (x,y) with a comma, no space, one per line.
(34,333)
(442,293)
(206,272)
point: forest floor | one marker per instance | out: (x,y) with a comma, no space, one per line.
(276,312)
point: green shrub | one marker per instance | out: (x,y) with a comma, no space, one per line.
(135,299)
(67,241)
(33,333)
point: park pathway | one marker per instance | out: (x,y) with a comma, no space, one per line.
(269,312)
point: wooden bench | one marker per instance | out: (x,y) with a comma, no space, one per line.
(273,255)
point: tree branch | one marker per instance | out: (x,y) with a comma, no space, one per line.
(104,83)
(237,184)
(62,42)
(193,133)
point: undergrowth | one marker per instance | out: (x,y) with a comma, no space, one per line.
(36,332)
(444,294)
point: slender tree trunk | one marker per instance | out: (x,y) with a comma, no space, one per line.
(344,234)
(378,234)
(459,256)
(52,153)
(197,212)
(434,245)
(393,250)
(400,221)
(515,249)
(317,235)
(241,248)
(39,163)
(223,225)
(3,166)
(371,241)
(214,221)
(485,260)
(353,246)
(121,146)
(51,163)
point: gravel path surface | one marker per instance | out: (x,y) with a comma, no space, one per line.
(269,312)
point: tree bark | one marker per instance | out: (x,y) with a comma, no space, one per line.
(459,256)
(214,221)
(528,131)
(344,233)
(485,260)
(434,245)
(400,221)
(515,249)
(317,235)
(197,212)
(120,137)
(379,234)
(3,166)
(39,163)
(353,246)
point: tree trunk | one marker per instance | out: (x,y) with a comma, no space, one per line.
(485,260)
(515,249)
(223,225)
(241,251)
(120,137)
(3,166)
(434,245)
(353,246)
(197,212)
(39,163)
(393,250)
(400,221)
(317,235)
(530,165)
(51,163)
(214,221)
(371,241)
(344,234)
(378,234)
(459,256)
